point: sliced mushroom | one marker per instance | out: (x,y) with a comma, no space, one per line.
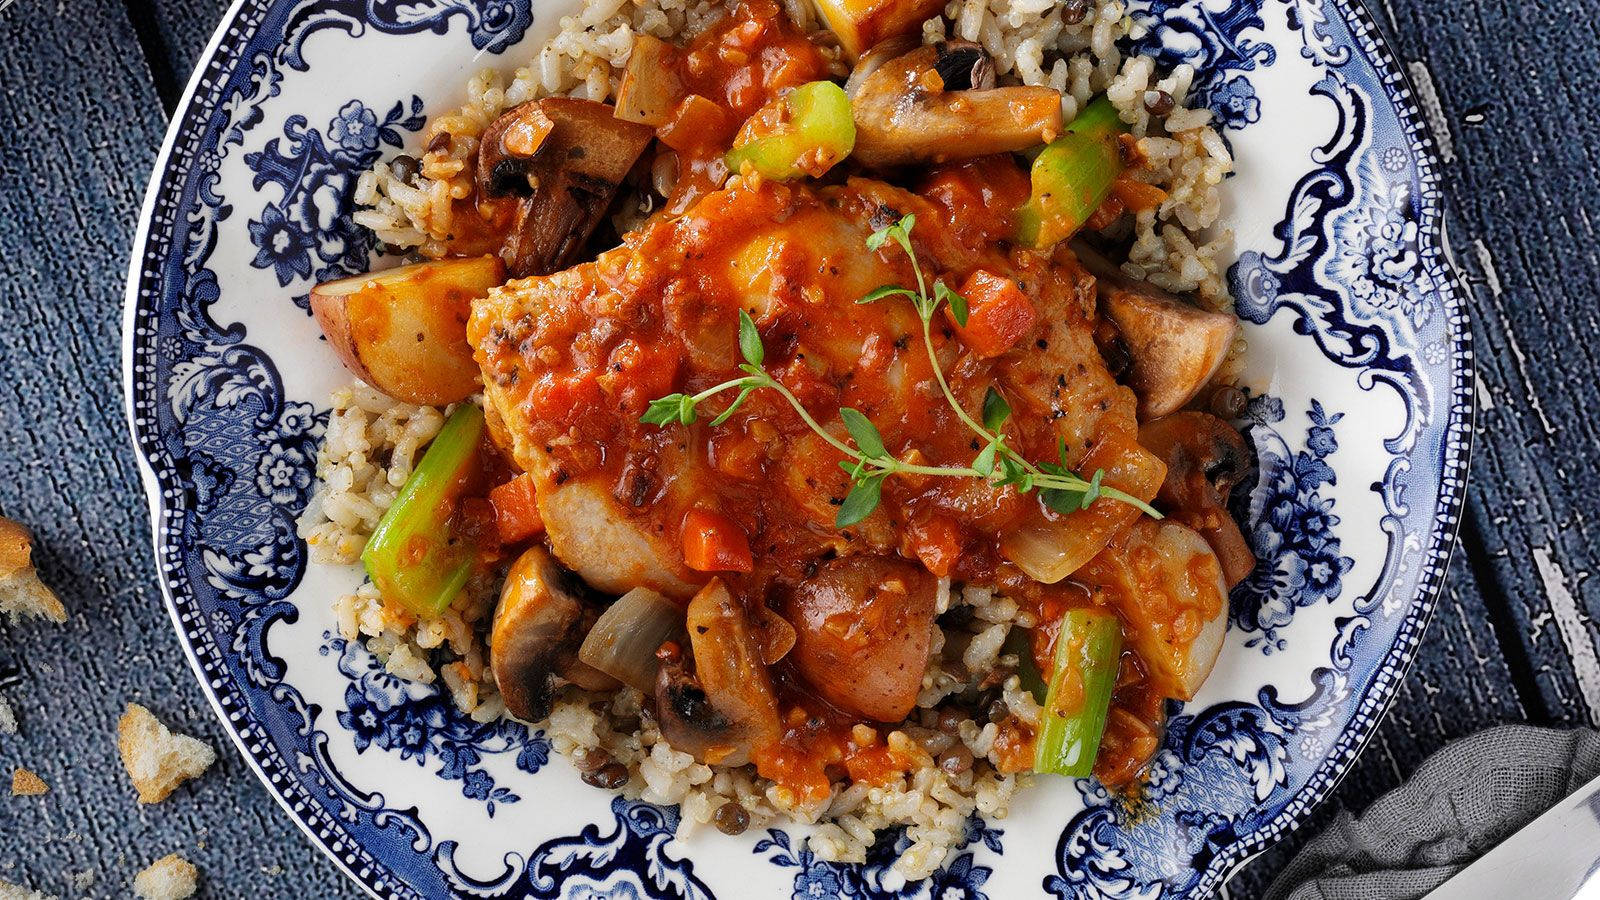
(1205,458)
(565,158)
(726,709)
(1176,347)
(507,150)
(935,104)
(874,59)
(539,623)
(862,627)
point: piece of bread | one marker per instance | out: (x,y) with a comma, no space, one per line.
(21,591)
(26,784)
(168,878)
(9,891)
(156,759)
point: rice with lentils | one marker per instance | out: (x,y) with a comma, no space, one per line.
(373,441)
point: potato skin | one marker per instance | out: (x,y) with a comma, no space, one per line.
(862,628)
(404,331)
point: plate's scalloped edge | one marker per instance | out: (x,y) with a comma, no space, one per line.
(221,696)
(1378,697)
(1457,447)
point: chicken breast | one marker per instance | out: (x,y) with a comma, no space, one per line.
(572,360)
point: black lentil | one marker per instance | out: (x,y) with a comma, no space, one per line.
(1158,103)
(609,776)
(731,818)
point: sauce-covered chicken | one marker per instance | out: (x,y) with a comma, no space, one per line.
(850,360)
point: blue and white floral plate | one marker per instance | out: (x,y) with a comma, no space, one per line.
(1360,377)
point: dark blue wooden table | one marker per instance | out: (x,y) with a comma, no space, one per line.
(85,90)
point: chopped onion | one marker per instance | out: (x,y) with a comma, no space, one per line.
(1049,553)
(624,640)
(650,87)
(775,635)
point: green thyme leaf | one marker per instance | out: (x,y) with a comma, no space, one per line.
(737,402)
(958,303)
(1092,492)
(686,409)
(888,290)
(864,433)
(1062,500)
(984,462)
(876,240)
(860,502)
(664,410)
(995,410)
(1011,470)
(750,340)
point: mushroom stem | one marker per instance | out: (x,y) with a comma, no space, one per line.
(918,108)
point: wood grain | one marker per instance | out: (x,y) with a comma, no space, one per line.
(1513,640)
(70,187)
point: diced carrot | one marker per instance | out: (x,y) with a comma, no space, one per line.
(694,121)
(1137,196)
(637,373)
(998,313)
(936,541)
(516,510)
(712,542)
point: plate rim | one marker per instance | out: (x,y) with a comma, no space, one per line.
(1398,91)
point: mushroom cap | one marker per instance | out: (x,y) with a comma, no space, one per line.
(566,158)
(1175,346)
(538,624)
(727,709)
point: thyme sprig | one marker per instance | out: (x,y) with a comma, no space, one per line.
(869,463)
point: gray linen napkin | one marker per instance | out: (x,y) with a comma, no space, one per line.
(1460,803)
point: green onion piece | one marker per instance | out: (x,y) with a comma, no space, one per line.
(413,558)
(1072,176)
(1087,654)
(813,132)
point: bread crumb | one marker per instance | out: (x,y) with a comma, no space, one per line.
(156,759)
(26,784)
(84,880)
(10,891)
(169,878)
(8,718)
(21,591)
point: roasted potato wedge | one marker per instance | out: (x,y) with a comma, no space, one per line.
(859,24)
(404,331)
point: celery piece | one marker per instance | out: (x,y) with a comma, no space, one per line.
(1084,672)
(413,557)
(804,132)
(1072,176)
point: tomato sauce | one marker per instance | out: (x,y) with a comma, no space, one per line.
(572,361)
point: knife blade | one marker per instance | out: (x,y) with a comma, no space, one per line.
(1554,857)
